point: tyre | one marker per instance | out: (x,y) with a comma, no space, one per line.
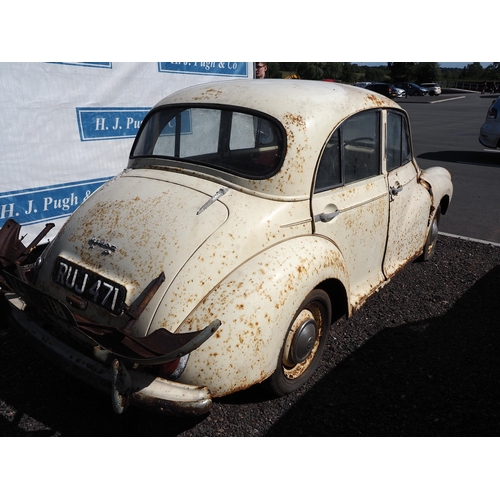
(303,345)
(4,311)
(430,244)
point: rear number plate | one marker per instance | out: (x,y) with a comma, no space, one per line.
(89,285)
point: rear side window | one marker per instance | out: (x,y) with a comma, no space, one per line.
(352,152)
(398,141)
(329,174)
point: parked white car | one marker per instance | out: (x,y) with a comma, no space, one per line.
(401,93)
(489,135)
(251,216)
(433,88)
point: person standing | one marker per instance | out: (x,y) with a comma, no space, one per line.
(260,70)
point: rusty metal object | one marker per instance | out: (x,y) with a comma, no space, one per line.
(143,390)
(12,250)
(137,308)
(160,346)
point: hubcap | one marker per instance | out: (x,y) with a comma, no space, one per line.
(304,340)
(302,343)
(433,235)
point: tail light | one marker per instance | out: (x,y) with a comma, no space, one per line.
(493,113)
(172,370)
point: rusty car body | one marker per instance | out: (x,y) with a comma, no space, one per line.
(251,216)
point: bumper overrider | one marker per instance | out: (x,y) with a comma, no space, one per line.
(117,353)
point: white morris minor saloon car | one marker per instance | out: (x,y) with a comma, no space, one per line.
(251,216)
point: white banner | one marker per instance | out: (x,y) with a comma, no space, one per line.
(66,128)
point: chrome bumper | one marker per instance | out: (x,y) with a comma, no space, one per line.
(126,387)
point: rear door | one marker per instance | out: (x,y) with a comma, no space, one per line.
(350,204)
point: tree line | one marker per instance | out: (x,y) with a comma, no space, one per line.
(391,72)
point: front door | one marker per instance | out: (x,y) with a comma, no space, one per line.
(409,200)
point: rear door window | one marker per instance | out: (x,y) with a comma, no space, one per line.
(352,152)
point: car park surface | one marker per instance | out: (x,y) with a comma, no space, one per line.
(445,132)
(413,362)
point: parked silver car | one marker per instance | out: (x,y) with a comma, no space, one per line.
(400,93)
(411,89)
(489,135)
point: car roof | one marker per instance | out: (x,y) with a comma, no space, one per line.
(308,110)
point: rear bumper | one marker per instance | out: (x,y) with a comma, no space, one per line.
(126,387)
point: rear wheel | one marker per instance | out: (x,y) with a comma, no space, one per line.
(430,244)
(304,344)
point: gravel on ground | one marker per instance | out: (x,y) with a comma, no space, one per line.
(420,358)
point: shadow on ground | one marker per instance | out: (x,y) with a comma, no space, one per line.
(38,399)
(483,158)
(429,378)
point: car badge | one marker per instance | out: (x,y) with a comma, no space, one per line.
(107,248)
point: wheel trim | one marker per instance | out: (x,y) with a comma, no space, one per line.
(433,235)
(302,342)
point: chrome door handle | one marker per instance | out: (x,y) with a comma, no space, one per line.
(395,190)
(326,217)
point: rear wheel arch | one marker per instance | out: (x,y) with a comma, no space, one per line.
(305,340)
(254,329)
(303,345)
(338,297)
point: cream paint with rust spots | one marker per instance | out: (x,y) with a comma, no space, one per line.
(252,256)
